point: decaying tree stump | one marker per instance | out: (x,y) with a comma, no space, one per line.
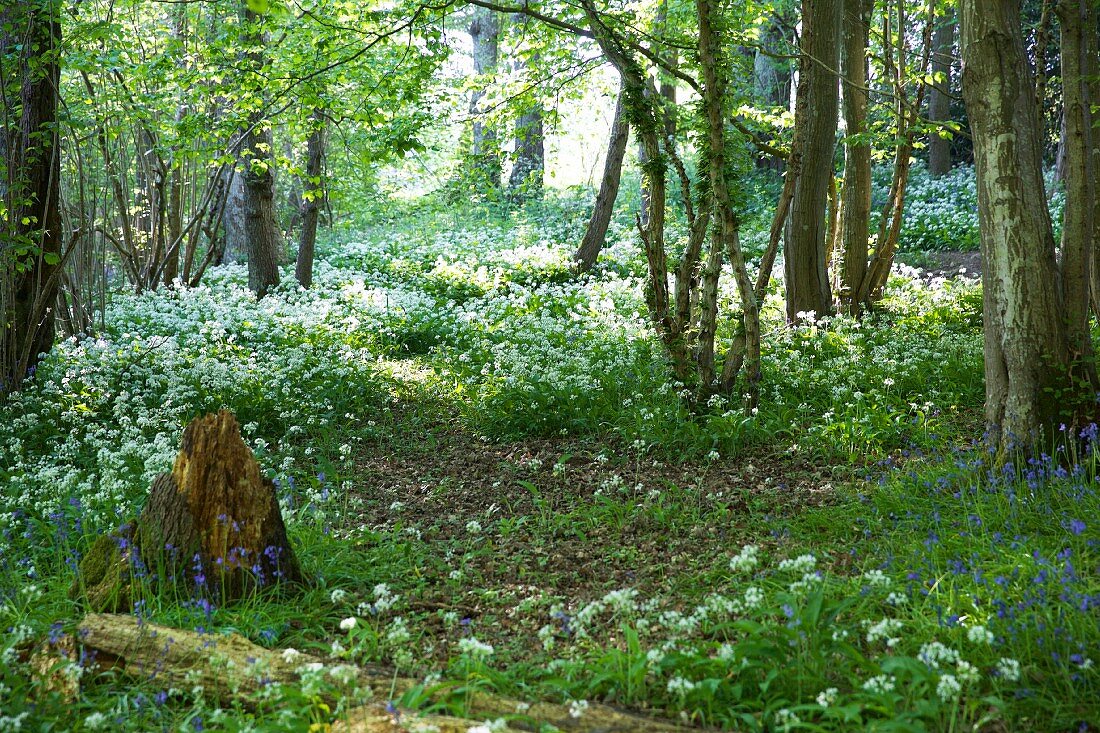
(216,515)
(213,522)
(233,670)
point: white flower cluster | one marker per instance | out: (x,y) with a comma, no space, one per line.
(475,649)
(877,579)
(747,560)
(801,564)
(884,630)
(979,635)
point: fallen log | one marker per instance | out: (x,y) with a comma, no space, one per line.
(232,669)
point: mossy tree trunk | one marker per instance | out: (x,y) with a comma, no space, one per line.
(1026,350)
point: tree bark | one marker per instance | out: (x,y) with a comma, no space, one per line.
(596,234)
(217,514)
(525,180)
(1076,19)
(939,95)
(807,279)
(252,210)
(855,192)
(30,232)
(1025,337)
(667,92)
(313,195)
(484,147)
(233,670)
(262,239)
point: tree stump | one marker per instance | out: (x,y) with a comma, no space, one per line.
(215,517)
(213,522)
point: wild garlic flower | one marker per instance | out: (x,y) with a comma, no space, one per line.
(948,688)
(1008,669)
(747,560)
(475,649)
(877,579)
(801,564)
(880,684)
(979,635)
(680,685)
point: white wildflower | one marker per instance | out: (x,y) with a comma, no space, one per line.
(745,561)
(680,685)
(801,564)
(476,649)
(879,684)
(979,635)
(948,688)
(1008,669)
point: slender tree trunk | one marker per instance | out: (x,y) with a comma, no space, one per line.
(484,147)
(667,91)
(529,156)
(807,278)
(1025,337)
(939,95)
(1091,71)
(726,241)
(596,234)
(257,211)
(30,232)
(313,194)
(1076,19)
(855,192)
(235,236)
(262,239)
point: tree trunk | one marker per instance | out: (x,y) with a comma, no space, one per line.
(855,192)
(807,278)
(313,195)
(939,95)
(1025,337)
(234,234)
(595,235)
(1076,19)
(30,231)
(667,91)
(484,148)
(236,672)
(1091,72)
(263,243)
(525,180)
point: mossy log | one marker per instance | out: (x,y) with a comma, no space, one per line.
(233,670)
(212,523)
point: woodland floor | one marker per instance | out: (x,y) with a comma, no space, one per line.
(569,520)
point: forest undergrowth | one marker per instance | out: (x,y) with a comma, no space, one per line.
(494,485)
